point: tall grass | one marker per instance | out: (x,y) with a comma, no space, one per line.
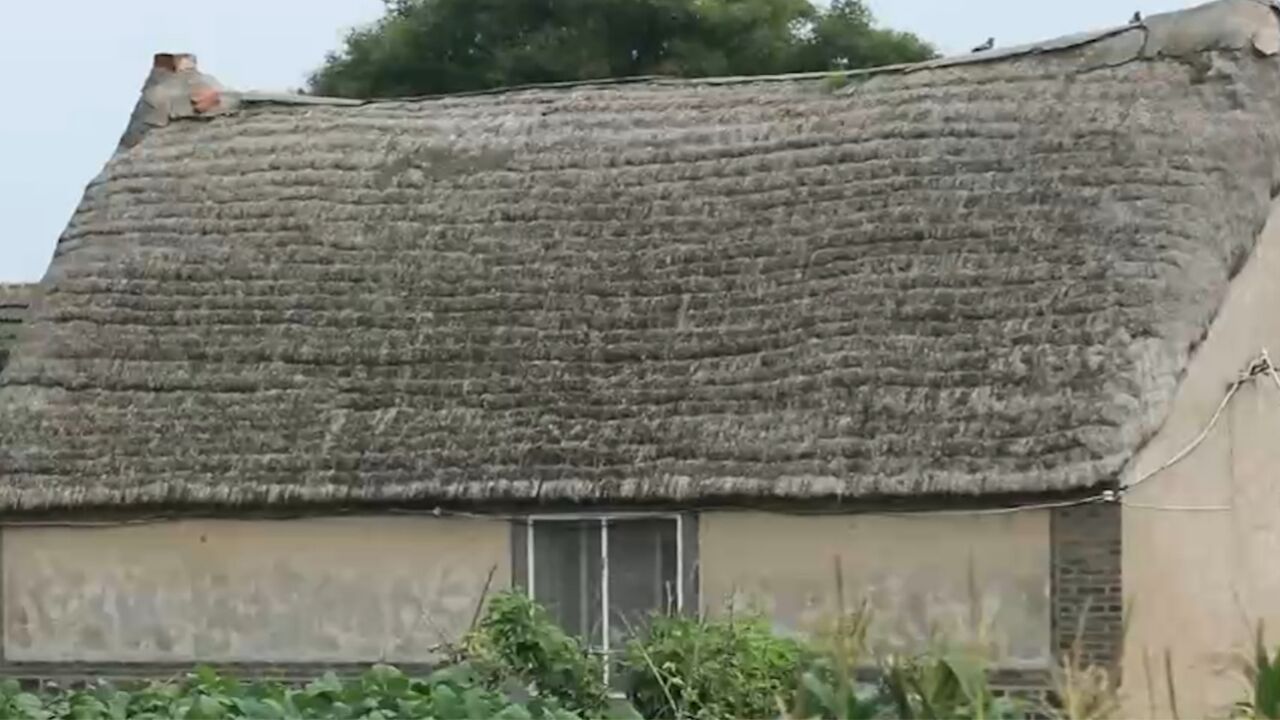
(846,681)
(1086,691)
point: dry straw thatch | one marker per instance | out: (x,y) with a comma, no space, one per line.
(969,279)
(14,299)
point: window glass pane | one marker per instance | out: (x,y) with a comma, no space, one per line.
(642,576)
(567,573)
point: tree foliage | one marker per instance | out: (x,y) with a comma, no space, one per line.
(424,47)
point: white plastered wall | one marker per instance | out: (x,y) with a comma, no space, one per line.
(1202,537)
(308,590)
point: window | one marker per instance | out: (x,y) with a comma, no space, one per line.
(602,578)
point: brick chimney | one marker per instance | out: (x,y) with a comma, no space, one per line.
(175,88)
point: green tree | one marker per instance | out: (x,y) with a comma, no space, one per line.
(423,47)
(844,36)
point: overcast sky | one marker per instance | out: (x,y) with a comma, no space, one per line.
(70,72)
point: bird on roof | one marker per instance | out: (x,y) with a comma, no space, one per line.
(990,43)
(1137,18)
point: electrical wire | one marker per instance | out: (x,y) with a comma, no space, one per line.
(1178,508)
(1009,510)
(1195,443)
(1259,366)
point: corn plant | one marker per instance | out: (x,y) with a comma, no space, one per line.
(943,687)
(1262,672)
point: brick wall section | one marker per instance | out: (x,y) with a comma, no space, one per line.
(1085,543)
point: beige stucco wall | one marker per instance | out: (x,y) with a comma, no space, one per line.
(349,589)
(1199,578)
(956,574)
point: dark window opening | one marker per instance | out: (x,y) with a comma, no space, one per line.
(602,579)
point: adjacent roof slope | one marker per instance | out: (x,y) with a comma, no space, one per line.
(970,278)
(14,299)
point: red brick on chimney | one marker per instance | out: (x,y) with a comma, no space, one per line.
(174,62)
(205,98)
(175,88)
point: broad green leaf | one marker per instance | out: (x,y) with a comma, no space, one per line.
(514,712)
(446,704)
(327,683)
(477,704)
(255,709)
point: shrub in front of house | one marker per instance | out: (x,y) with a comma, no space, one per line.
(517,647)
(686,667)
(738,667)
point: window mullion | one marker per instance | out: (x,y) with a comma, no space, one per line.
(604,594)
(679,564)
(528,558)
(584,584)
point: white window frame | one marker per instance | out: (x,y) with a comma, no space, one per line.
(604,519)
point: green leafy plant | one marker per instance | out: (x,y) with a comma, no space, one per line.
(516,664)
(734,667)
(830,686)
(825,691)
(950,684)
(845,683)
(1262,672)
(518,648)
(383,693)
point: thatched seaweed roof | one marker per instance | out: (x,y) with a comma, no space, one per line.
(14,299)
(964,278)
